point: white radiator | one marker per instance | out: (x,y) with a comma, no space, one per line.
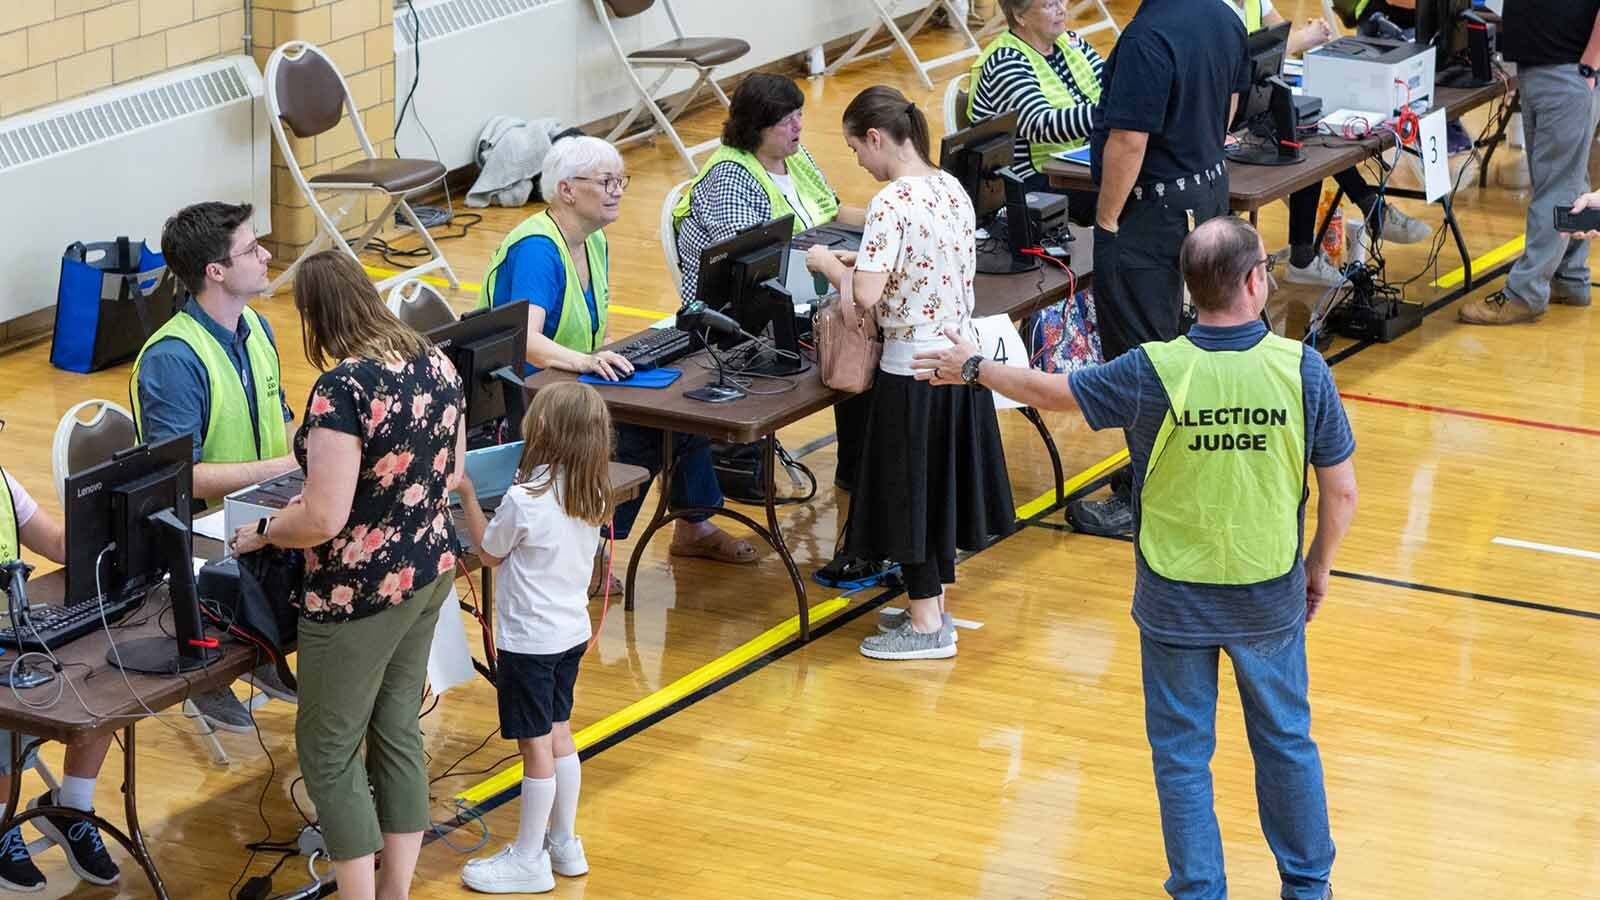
(534,59)
(120,161)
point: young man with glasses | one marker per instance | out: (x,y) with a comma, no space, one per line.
(1220,568)
(212,372)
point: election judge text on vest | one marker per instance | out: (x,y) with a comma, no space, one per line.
(1221,426)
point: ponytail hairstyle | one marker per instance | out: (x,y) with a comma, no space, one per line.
(886,109)
(568,428)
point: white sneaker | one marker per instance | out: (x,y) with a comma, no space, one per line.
(1400,228)
(509,872)
(568,859)
(1318,272)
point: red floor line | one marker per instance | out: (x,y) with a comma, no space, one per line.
(1469,414)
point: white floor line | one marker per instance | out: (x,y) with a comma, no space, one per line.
(959,623)
(1547,548)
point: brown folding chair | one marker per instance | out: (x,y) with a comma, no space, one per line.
(699,55)
(417,304)
(306,93)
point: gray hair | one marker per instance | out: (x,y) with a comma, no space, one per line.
(575,156)
(1014,8)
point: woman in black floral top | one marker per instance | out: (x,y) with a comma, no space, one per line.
(382,446)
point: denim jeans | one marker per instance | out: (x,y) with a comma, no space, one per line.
(694,482)
(1180,708)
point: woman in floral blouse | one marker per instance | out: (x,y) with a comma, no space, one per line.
(382,446)
(931,475)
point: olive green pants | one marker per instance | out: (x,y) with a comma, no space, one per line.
(362,680)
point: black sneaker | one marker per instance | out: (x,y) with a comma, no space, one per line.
(849,573)
(17,871)
(80,841)
(1112,517)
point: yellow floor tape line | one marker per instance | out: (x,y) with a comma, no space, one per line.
(774,637)
(769,640)
(1483,263)
(472,287)
(1042,502)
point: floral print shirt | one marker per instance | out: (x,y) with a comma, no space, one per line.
(399,537)
(920,230)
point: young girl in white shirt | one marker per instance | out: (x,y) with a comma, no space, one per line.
(931,475)
(543,540)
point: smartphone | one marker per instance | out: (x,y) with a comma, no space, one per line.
(1569,221)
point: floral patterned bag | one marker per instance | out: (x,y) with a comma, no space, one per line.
(1065,336)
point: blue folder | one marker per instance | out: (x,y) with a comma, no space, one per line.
(650,378)
(1079,156)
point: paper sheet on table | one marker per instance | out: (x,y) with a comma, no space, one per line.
(999,340)
(450,661)
(212,525)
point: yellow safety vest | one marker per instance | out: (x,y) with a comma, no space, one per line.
(10,542)
(821,206)
(230,435)
(574,330)
(1220,503)
(1056,92)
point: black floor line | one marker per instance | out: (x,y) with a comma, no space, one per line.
(1469,595)
(1396,582)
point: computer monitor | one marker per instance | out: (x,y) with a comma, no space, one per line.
(979,157)
(488,348)
(127,523)
(1461,37)
(1268,109)
(743,277)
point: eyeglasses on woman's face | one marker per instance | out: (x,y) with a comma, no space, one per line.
(611,184)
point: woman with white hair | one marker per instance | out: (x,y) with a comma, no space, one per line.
(558,261)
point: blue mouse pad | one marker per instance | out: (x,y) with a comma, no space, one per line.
(650,378)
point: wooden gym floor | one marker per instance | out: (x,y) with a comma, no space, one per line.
(1454,673)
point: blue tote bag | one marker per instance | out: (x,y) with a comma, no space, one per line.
(111,297)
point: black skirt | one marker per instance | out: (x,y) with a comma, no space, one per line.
(931,475)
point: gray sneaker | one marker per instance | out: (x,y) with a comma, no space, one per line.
(223,711)
(265,679)
(906,642)
(1399,228)
(889,621)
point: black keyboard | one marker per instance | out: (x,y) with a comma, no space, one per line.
(657,347)
(53,626)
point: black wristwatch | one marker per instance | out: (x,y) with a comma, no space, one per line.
(969,369)
(1586,70)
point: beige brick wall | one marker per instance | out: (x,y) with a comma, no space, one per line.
(52,50)
(358,35)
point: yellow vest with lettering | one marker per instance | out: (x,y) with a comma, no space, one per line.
(1220,503)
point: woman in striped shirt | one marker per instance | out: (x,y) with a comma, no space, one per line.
(1051,78)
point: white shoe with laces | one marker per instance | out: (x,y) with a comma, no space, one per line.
(1319,272)
(510,872)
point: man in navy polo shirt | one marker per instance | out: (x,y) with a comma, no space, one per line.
(1171,86)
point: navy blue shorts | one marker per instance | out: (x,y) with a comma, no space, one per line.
(535,690)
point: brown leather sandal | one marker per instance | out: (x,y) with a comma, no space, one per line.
(718,545)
